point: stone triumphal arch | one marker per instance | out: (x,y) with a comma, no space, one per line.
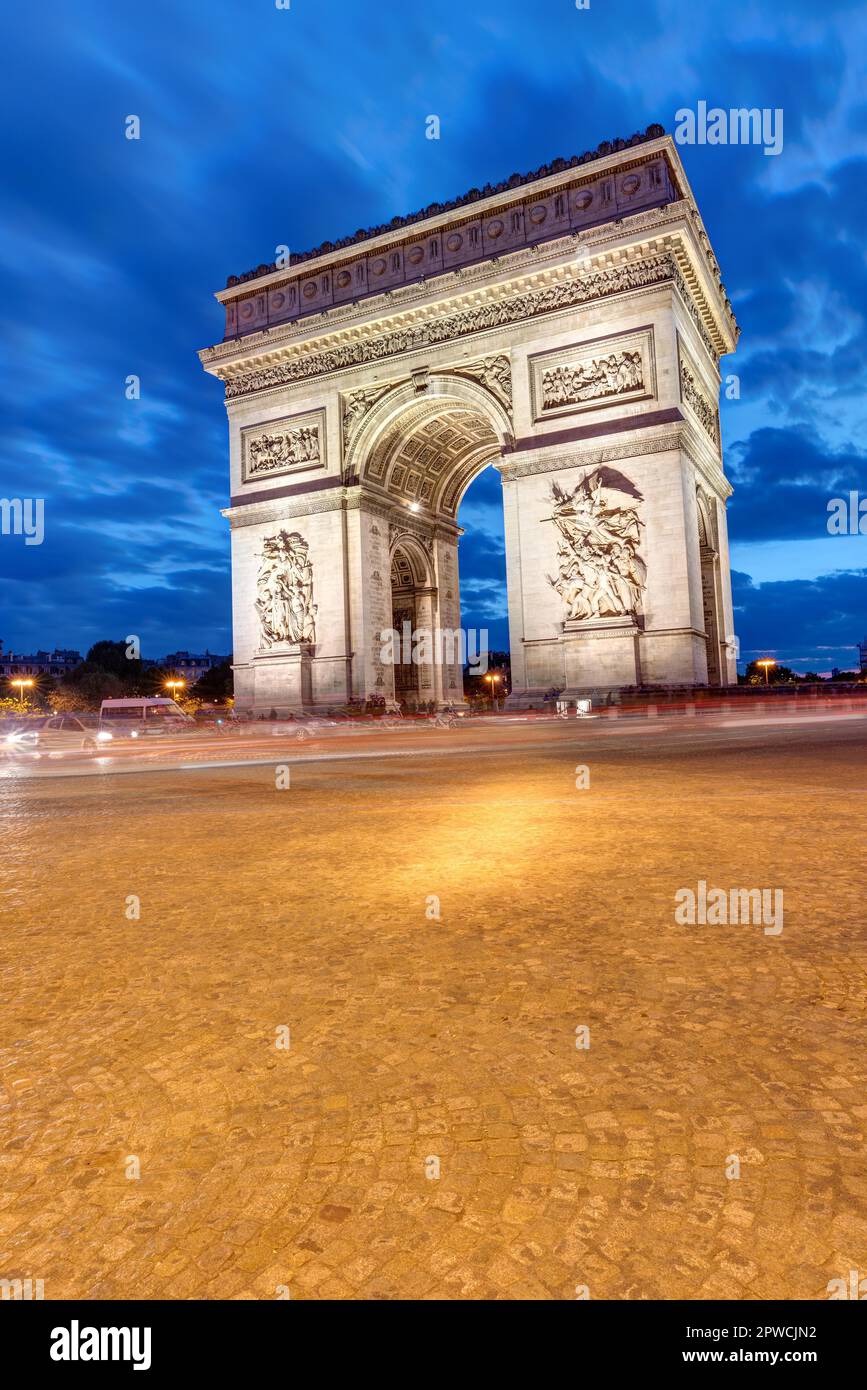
(565,327)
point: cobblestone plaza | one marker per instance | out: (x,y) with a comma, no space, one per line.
(239,1094)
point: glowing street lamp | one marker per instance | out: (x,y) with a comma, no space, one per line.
(493,678)
(173,687)
(766,662)
(22,686)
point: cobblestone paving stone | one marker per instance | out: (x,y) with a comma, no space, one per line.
(411,1038)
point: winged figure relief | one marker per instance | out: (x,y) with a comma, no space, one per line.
(600,571)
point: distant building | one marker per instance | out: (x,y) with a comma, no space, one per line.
(57,663)
(191,668)
(862,652)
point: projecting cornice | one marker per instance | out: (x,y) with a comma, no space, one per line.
(603,268)
(630,443)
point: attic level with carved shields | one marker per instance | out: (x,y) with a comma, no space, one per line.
(564,327)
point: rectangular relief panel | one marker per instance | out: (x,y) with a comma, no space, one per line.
(293,445)
(601,372)
(696,393)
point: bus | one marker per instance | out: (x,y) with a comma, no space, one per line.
(138,718)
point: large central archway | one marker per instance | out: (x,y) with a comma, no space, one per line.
(422,446)
(425,441)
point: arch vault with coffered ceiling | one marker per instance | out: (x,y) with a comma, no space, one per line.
(565,327)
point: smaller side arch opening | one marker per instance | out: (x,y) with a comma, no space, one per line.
(710,588)
(411,604)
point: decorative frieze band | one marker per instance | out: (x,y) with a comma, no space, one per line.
(444,328)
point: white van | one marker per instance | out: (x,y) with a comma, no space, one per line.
(139,718)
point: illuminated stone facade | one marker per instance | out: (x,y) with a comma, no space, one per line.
(567,328)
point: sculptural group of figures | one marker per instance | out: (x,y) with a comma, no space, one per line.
(605,376)
(601,573)
(277,450)
(284,591)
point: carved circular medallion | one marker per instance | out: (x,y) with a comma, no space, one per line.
(583,200)
(310,289)
(278,300)
(538,214)
(415,255)
(343,279)
(378,266)
(455,241)
(495,228)
(246,311)
(631,185)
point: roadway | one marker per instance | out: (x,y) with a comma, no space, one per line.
(434,915)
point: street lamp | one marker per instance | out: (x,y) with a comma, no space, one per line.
(493,678)
(766,662)
(22,686)
(173,687)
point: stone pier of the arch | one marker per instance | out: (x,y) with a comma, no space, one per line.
(567,329)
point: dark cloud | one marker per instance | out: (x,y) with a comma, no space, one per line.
(262,127)
(783,480)
(807,624)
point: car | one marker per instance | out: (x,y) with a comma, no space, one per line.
(60,733)
(20,725)
(20,735)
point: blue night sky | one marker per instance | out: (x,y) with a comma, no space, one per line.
(262,127)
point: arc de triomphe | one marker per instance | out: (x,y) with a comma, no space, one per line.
(566,327)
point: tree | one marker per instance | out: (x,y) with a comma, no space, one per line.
(477,688)
(777,675)
(10,706)
(108,659)
(87,691)
(112,657)
(68,699)
(216,684)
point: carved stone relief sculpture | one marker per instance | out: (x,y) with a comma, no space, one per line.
(698,400)
(356,406)
(600,571)
(282,449)
(493,372)
(284,591)
(444,328)
(603,376)
(592,375)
